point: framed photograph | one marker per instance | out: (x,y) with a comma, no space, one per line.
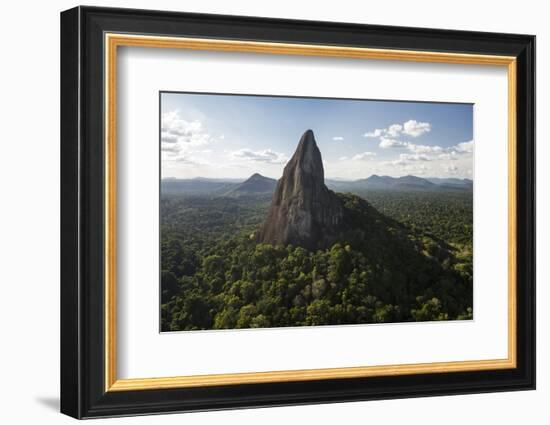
(261,212)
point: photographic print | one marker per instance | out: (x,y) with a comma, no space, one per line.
(300,211)
(322,190)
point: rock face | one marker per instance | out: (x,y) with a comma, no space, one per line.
(303,211)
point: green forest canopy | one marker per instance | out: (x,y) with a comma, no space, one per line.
(412,262)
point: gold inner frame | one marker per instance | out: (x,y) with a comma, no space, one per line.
(113,41)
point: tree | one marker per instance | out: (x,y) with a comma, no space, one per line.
(429,310)
(226,319)
(169,286)
(260,321)
(246,314)
(319,313)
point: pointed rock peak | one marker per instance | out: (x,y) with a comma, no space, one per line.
(308,136)
(307,142)
(256,176)
(303,211)
(307,158)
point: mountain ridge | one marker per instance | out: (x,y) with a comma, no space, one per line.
(224,187)
(408,182)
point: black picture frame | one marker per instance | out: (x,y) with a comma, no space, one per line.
(83,392)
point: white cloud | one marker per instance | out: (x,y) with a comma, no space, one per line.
(171,148)
(411,128)
(451,161)
(450,153)
(364,156)
(414,157)
(177,130)
(386,143)
(424,148)
(414,128)
(178,135)
(451,156)
(397,163)
(394,130)
(337,138)
(266,156)
(465,147)
(408,160)
(451,169)
(398,157)
(167,137)
(342,158)
(185,159)
(376,133)
(405,166)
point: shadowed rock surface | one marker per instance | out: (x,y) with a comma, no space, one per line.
(303,211)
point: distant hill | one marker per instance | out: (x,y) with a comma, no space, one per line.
(387,182)
(196,186)
(453,182)
(254,185)
(258,185)
(408,183)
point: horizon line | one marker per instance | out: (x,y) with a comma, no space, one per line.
(326,178)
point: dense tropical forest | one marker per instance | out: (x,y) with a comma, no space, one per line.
(411,260)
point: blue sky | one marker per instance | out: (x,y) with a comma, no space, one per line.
(205,135)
